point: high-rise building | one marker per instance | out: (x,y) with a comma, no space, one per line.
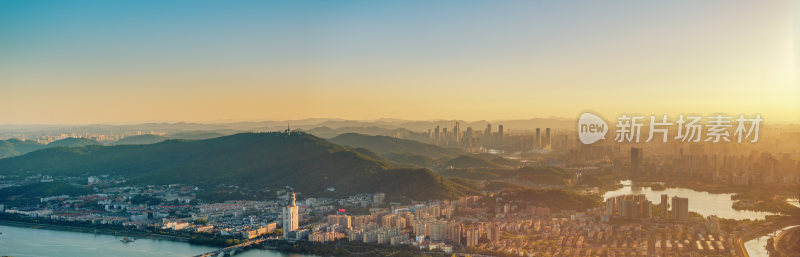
(500,135)
(610,206)
(487,135)
(291,218)
(547,141)
(537,140)
(387,220)
(456,132)
(493,232)
(680,208)
(664,205)
(473,234)
(636,158)
(341,220)
(378,198)
(629,206)
(436,135)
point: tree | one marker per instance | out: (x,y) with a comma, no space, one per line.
(341,252)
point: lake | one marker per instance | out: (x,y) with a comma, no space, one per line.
(19,241)
(704,203)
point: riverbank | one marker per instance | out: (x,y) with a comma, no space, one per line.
(747,198)
(763,230)
(787,243)
(345,247)
(690,184)
(134,234)
(27,241)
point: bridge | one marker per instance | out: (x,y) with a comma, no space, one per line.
(231,250)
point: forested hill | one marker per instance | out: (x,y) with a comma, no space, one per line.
(307,163)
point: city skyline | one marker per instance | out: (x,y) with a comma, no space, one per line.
(99,62)
(399,128)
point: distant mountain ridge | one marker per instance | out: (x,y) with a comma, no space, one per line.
(73,142)
(302,161)
(387,125)
(14,147)
(197,135)
(466,161)
(386,145)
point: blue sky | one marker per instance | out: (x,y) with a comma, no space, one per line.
(129,61)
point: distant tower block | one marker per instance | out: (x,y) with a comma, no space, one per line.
(500,135)
(547,141)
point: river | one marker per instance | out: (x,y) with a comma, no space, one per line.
(704,203)
(794,202)
(19,241)
(758,247)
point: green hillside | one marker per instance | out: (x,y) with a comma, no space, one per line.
(73,142)
(413,160)
(196,135)
(302,161)
(535,175)
(504,162)
(543,175)
(367,153)
(42,189)
(383,145)
(466,161)
(14,147)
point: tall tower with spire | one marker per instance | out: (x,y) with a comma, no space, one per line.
(288,130)
(290,217)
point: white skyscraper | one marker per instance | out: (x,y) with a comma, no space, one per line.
(290,217)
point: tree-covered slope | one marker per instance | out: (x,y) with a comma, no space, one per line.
(14,147)
(73,142)
(554,198)
(302,161)
(383,145)
(466,161)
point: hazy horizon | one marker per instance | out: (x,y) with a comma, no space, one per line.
(213,122)
(218,122)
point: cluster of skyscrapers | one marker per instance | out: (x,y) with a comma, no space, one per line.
(475,140)
(638,207)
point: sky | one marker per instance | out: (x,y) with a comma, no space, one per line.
(75,62)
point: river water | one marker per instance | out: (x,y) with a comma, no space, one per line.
(19,241)
(758,247)
(794,202)
(704,203)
